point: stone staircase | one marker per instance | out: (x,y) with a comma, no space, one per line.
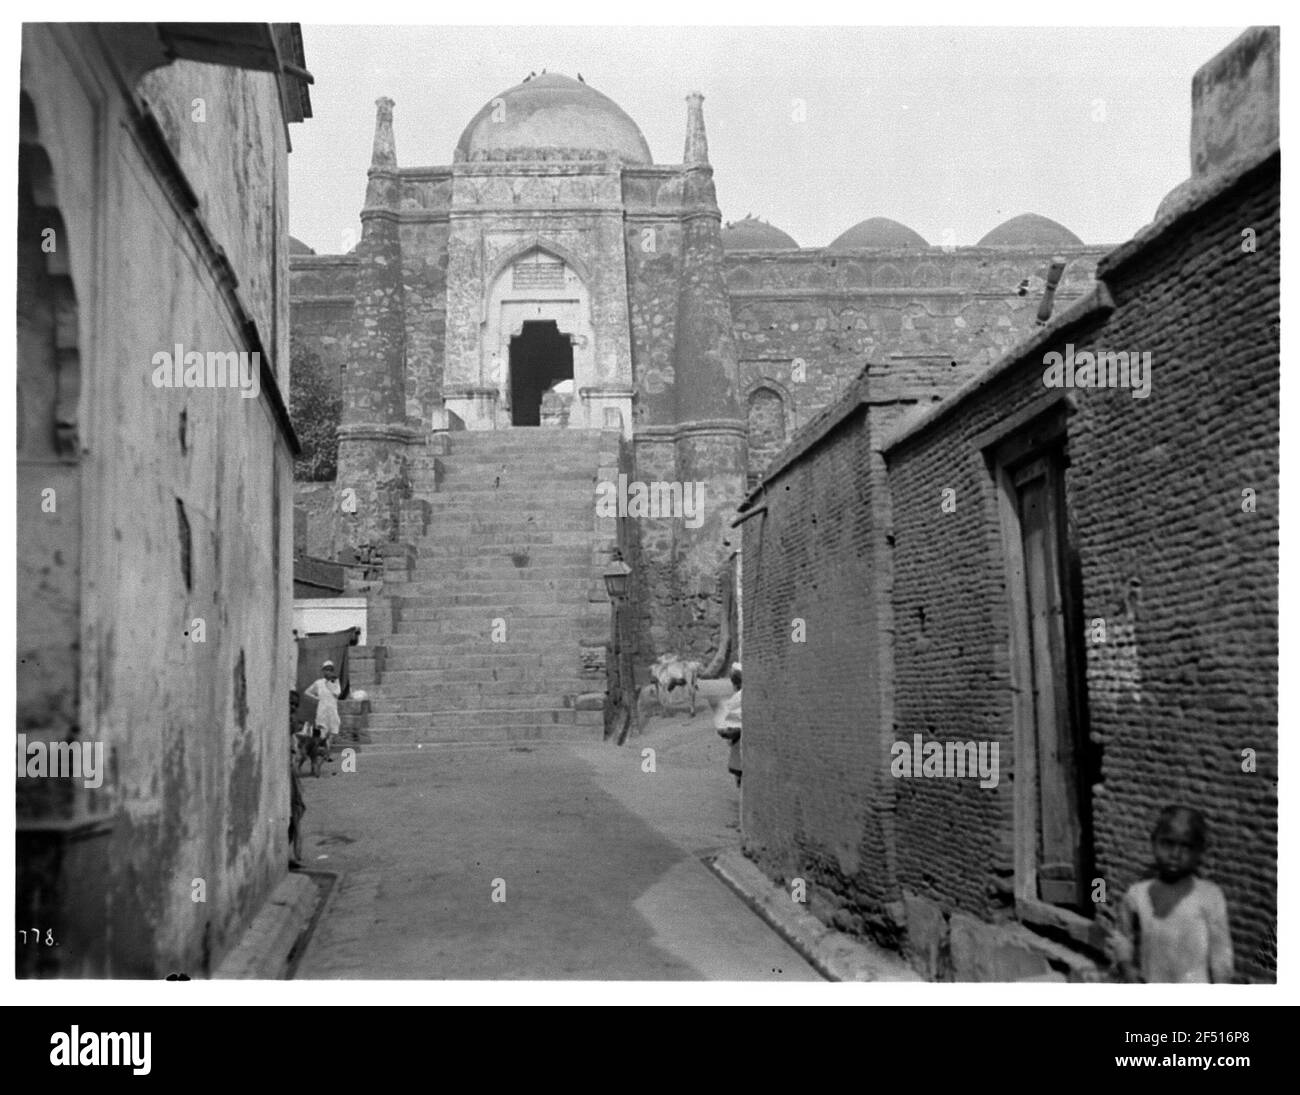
(498,626)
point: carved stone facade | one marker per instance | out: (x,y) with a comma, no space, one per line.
(698,342)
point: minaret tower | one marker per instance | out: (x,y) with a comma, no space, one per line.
(373,436)
(711,430)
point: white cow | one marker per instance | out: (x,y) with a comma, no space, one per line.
(674,680)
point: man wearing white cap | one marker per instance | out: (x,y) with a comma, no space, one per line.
(726,720)
(325,691)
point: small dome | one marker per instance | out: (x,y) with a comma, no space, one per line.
(752,234)
(1030,230)
(297,247)
(552,111)
(877,232)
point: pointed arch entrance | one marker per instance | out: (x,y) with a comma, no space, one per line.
(538,339)
(541,373)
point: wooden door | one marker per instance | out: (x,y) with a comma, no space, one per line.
(1038,489)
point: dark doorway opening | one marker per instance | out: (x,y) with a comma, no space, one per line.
(540,358)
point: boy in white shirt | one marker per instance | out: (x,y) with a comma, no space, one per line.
(325,691)
(1175,926)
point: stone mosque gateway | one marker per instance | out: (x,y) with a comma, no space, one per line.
(554,308)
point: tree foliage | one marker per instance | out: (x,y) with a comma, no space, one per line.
(316,408)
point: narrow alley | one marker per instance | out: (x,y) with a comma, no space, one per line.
(602,864)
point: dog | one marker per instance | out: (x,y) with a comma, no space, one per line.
(671,672)
(310,747)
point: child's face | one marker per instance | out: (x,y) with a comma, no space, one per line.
(331,673)
(1177,854)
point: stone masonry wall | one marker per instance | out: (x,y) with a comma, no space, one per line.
(322,289)
(424,280)
(185,514)
(912,313)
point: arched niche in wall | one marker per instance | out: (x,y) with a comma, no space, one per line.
(887,276)
(962,276)
(740,278)
(1079,274)
(855,275)
(927,276)
(49,526)
(770,416)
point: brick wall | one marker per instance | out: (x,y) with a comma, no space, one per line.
(906,603)
(812,789)
(1185,580)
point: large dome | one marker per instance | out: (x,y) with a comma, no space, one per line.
(877,232)
(1030,230)
(551,112)
(752,234)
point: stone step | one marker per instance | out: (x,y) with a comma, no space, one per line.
(451,504)
(448,505)
(546,514)
(512,487)
(472,492)
(445,600)
(518,455)
(482,484)
(484,487)
(476,633)
(491,553)
(558,675)
(453,719)
(524,436)
(506,494)
(438,595)
(501,576)
(510,608)
(525,468)
(466,700)
(562,680)
(453,571)
(530,437)
(506,537)
(435,584)
(589,731)
(416,619)
(507,562)
(462,633)
(545,545)
(502,475)
(501,529)
(559,666)
(423,656)
(362,674)
(507,551)
(522,466)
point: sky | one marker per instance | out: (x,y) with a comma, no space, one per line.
(949,130)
